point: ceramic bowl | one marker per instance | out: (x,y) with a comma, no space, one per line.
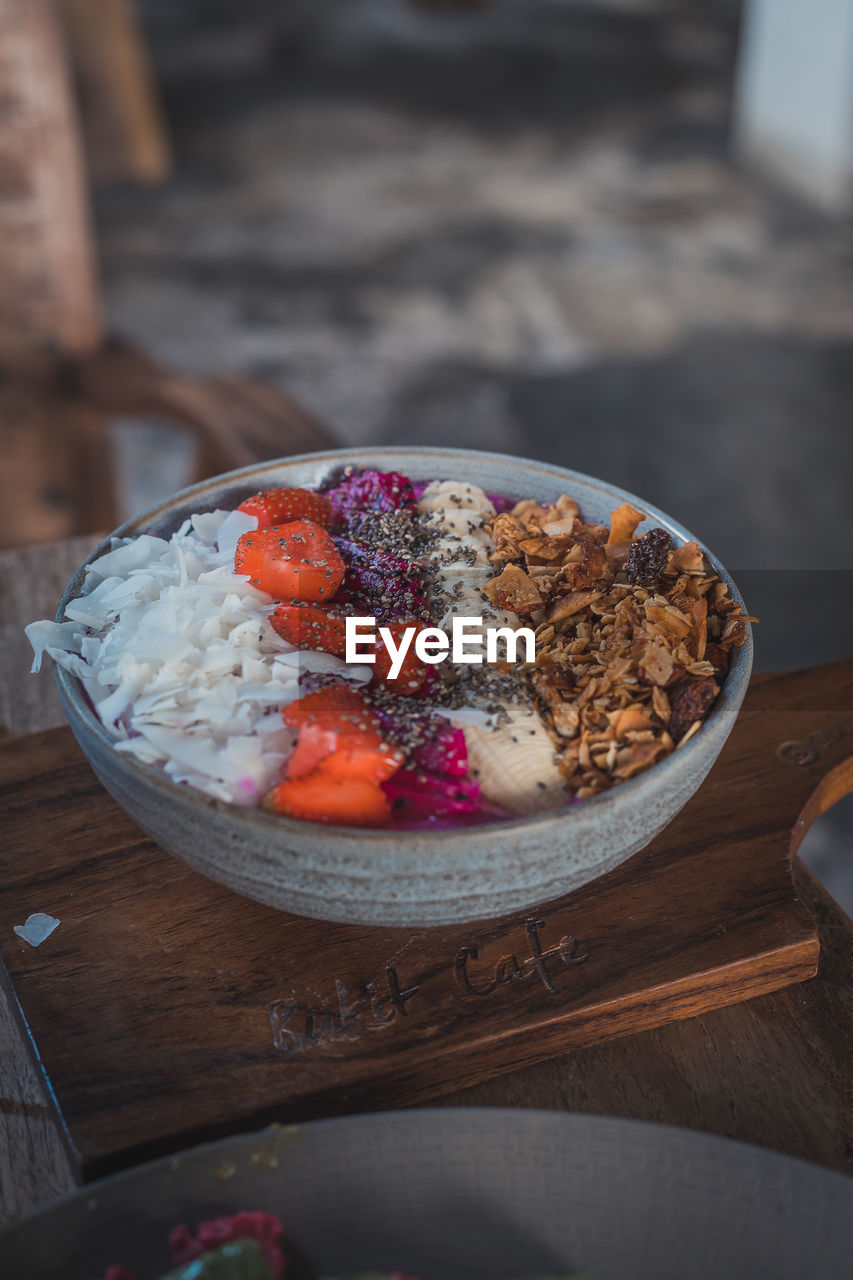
(408,878)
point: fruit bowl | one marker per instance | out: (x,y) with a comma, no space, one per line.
(403,877)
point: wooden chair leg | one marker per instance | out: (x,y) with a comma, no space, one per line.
(48,284)
(123,125)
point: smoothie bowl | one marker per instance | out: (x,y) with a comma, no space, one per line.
(401,687)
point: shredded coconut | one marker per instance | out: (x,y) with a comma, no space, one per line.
(179,659)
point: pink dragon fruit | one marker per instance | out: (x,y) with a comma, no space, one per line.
(417,794)
(376,490)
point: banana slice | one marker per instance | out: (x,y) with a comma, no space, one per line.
(458,511)
(446,495)
(452,554)
(465,522)
(514,764)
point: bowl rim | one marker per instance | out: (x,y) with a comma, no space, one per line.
(731,693)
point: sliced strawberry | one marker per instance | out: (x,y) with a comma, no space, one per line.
(339,731)
(281,506)
(338,707)
(311,627)
(346,757)
(292,562)
(327,796)
(313,745)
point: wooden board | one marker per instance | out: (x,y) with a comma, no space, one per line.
(164,1009)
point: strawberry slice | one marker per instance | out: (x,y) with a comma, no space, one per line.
(326,796)
(297,561)
(338,707)
(338,763)
(281,506)
(310,627)
(339,731)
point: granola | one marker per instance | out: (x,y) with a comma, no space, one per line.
(633,636)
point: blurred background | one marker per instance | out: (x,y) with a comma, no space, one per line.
(611,234)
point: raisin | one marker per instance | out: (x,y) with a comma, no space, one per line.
(690,702)
(647,557)
(719,660)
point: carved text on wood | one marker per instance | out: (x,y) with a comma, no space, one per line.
(298,1026)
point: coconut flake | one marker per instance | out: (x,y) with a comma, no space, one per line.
(179,659)
(37,927)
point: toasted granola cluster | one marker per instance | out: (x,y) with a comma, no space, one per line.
(633,635)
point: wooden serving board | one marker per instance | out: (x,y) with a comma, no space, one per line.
(164,1009)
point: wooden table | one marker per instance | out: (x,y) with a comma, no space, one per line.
(775,1070)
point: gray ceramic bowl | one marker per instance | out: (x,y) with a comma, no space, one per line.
(391,878)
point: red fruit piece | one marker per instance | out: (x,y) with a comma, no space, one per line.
(339,708)
(245,1225)
(281,506)
(294,562)
(310,627)
(445,751)
(338,731)
(371,490)
(420,793)
(325,796)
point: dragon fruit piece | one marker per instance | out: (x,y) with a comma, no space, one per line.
(420,793)
(443,749)
(363,557)
(377,490)
(500,502)
(445,753)
(429,688)
(244,1225)
(388,597)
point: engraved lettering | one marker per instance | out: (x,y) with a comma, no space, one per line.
(509,969)
(569,951)
(378,1007)
(804,752)
(319,1026)
(397,996)
(352,1019)
(461,967)
(536,957)
(285,1040)
(350,1014)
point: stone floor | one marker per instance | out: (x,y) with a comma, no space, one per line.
(522,230)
